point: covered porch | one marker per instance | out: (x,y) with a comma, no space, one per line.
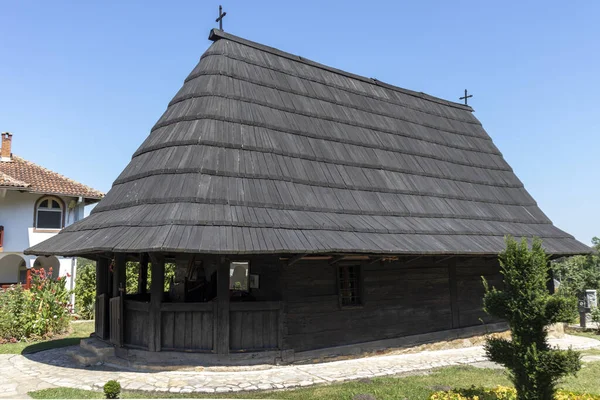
(213,306)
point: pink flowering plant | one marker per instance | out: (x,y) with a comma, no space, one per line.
(40,312)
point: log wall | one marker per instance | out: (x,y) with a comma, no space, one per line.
(398,299)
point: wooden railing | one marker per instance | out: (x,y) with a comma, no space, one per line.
(188,326)
(192,327)
(136,323)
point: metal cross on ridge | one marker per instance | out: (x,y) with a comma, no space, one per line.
(466,97)
(220,19)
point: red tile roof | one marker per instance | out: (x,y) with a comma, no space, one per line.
(20,173)
(7,181)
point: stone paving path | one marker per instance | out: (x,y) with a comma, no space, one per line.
(53,368)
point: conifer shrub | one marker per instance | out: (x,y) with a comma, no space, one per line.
(112,389)
(525,303)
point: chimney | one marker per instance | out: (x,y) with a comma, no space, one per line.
(5,150)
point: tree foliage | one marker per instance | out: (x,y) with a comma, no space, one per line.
(578,273)
(528,307)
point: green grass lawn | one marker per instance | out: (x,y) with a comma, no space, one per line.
(592,334)
(414,387)
(77,331)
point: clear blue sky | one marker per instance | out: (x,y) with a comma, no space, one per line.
(82,82)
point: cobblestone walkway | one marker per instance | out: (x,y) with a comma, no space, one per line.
(53,368)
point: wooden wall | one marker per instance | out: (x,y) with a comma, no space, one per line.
(187,326)
(398,299)
(136,323)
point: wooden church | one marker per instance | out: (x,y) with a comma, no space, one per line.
(308,212)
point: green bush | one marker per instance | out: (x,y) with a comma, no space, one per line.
(596,317)
(40,312)
(85,288)
(112,389)
(526,305)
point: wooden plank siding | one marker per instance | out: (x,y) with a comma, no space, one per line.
(398,299)
(116,321)
(136,323)
(469,273)
(101,316)
(188,326)
(254,326)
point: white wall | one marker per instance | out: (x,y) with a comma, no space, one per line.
(17,217)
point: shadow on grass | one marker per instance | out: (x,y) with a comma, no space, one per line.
(51,344)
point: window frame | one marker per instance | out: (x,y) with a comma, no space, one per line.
(231,262)
(61,205)
(359,271)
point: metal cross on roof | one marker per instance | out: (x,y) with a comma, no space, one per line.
(466,97)
(220,19)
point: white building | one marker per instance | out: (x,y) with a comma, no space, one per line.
(35,204)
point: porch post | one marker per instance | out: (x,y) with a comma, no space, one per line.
(157,289)
(118,274)
(181,266)
(102,275)
(222,306)
(143,274)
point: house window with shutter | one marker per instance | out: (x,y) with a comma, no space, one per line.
(349,285)
(49,214)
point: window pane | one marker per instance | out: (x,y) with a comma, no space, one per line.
(238,272)
(44,204)
(49,219)
(55,204)
(349,289)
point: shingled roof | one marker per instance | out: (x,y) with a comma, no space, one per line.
(262,151)
(25,175)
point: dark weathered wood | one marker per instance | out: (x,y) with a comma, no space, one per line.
(116,321)
(143,274)
(255,306)
(102,288)
(101,316)
(136,332)
(455,307)
(156,295)
(255,328)
(187,307)
(118,274)
(181,267)
(294,259)
(223,307)
(401,301)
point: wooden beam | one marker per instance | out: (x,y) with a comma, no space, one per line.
(143,274)
(295,259)
(102,284)
(336,260)
(120,261)
(376,260)
(182,262)
(157,289)
(222,339)
(443,259)
(411,260)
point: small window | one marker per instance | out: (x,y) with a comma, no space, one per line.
(349,285)
(49,214)
(238,276)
